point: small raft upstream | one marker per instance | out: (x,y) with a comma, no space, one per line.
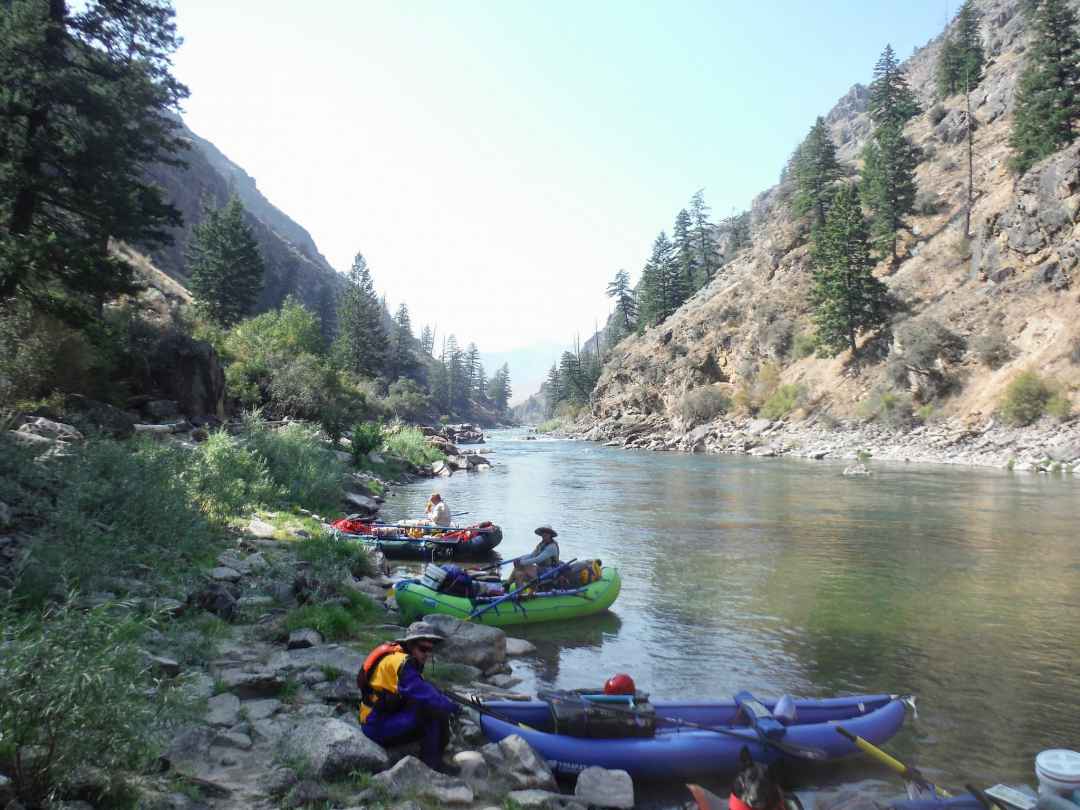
(415,600)
(422,542)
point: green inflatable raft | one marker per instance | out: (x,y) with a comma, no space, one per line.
(415,600)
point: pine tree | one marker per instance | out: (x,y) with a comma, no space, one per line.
(361,343)
(704,238)
(401,362)
(888,184)
(891,99)
(625,305)
(1048,91)
(472,370)
(224,264)
(961,60)
(816,171)
(457,384)
(846,297)
(738,226)
(656,294)
(87,107)
(570,373)
(687,255)
(427,341)
(499,390)
(556,391)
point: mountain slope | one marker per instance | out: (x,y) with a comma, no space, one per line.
(294,265)
(1015,273)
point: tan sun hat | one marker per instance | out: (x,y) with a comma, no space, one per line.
(542,530)
(418,631)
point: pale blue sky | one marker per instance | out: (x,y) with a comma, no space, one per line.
(497,162)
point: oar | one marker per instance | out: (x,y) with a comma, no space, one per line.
(478,704)
(791,750)
(500,564)
(908,772)
(546,575)
(706,799)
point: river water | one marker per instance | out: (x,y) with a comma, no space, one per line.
(959,585)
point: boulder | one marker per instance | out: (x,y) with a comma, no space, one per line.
(256,683)
(188,372)
(600,787)
(233,739)
(467,643)
(225,574)
(375,458)
(100,416)
(260,528)
(326,655)
(306,793)
(518,646)
(516,766)
(302,639)
(333,748)
(218,598)
(48,429)
(412,777)
(160,409)
(543,800)
(857,469)
(257,710)
(362,503)
(223,710)
(169,667)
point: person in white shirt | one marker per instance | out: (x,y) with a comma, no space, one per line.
(438,513)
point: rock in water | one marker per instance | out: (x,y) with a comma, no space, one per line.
(603,788)
(411,776)
(334,748)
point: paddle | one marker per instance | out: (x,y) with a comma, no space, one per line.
(908,772)
(546,575)
(791,750)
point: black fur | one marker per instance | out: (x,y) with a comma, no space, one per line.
(757,785)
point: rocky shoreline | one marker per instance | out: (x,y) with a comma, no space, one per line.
(1044,447)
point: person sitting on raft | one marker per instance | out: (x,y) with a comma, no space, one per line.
(544,557)
(438,513)
(398,706)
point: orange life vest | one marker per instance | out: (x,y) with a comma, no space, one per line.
(377,679)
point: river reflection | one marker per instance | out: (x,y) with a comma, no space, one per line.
(960,585)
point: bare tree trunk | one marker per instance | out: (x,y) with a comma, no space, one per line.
(971,159)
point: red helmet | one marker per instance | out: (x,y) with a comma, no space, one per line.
(621,684)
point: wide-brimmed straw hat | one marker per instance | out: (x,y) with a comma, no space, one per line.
(418,631)
(542,530)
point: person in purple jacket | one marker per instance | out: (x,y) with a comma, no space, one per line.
(398,706)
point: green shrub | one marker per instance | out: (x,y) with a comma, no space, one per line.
(926,347)
(121,510)
(777,337)
(412,445)
(549,425)
(927,203)
(1059,407)
(889,408)
(701,405)
(308,471)
(333,560)
(334,621)
(227,478)
(782,401)
(803,345)
(925,413)
(75,693)
(407,401)
(366,437)
(993,348)
(1026,398)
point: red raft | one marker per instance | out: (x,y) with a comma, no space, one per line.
(422,542)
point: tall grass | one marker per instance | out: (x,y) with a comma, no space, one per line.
(309,472)
(227,478)
(412,445)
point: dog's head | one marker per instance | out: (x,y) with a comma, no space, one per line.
(757,785)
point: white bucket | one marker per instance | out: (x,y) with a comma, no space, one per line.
(1058,771)
(433,576)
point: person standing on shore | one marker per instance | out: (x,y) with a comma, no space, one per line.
(397,705)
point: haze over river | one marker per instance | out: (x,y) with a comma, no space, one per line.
(959,585)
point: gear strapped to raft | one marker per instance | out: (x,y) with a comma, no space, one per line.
(582,713)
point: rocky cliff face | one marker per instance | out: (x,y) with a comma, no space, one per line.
(294,265)
(1015,274)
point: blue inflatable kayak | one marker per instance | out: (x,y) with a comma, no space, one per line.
(674,751)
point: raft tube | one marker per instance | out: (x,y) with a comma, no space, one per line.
(678,752)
